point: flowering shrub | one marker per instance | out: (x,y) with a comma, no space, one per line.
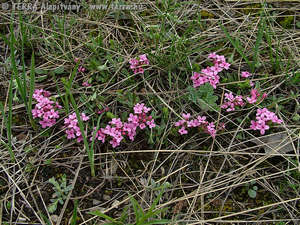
(210,74)
(118,129)
(262,117)
(72,128)
(199,122)
(137,64)
(45,108)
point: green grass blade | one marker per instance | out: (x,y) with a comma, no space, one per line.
(13,63)
(102,215)
(74,216)
(93,139)
(31,90)
(23,33)
(46,220)
(8,122)
(80,123)
(258,42)
(63,98)
(138,211)
(236,45)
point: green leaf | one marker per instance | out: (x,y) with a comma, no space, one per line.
(236,45)
(59,70)
(52,208)
(102,67)
(204,97)
(165,111)
(252,193)
(110,115)
(40,71)
(102,215)
(74,216)
(41,78)
(138,211)
(124,214)
(54,182)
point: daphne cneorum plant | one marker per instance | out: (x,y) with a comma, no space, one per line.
(202,93)
(61,191)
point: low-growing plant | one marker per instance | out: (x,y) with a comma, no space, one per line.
(61,191)
(252,189)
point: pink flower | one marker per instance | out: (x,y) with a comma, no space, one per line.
(84,117)
(211,129)
(182,131)
(254,96)
(199,122)
(118,130)
(142,126)
(45,109)
(186,116)
(117,122)
(137,64)
(179,123)
(103,110)
(193,123)
(138,108)
(210,74)
(86,84)
(262,117)
(264,95)
(81,69)
(231,102)
(151,123)
(143,59)
(246,74)
(72,128)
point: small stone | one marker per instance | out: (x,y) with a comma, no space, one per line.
(275,143)
(96,202)
(116,204)
(106,197)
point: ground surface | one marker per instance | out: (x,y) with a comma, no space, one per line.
(226,179)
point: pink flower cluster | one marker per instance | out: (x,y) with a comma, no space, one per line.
(232,101)
(118,129)
(137,64)
(199,122)
(254,96)
(72,128)
(45,108)
(210,74)
(262,117)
